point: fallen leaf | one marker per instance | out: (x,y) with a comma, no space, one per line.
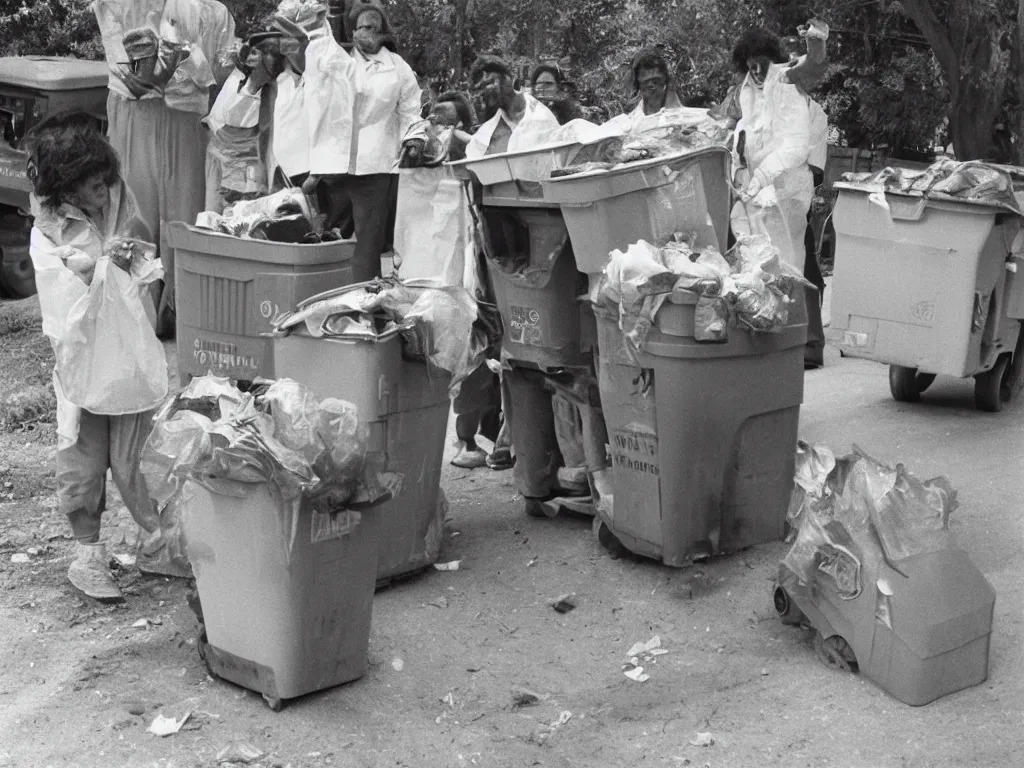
(239,754)
(167,726)
(524,697)
(564,603)
(641,648)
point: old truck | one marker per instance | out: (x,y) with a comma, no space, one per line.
(32,88)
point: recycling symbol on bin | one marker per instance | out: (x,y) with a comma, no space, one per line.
(526,326)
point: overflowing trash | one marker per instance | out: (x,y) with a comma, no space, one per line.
(669,132)
(973,181)
(278,434)
(876,571)
(749,287)
(287,216)
(437,322)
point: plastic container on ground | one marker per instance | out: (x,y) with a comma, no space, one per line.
(230,290)
(281,627)
(923,284)
(649,200)
(940,609)
(406,406)
(537,285)
(702,436)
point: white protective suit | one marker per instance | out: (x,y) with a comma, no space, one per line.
(777,123)
(533,129)
(88,444)
(233,159)
(389,105)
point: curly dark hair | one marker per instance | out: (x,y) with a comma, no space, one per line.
(649,59)
(65,151)
(551,69)
(487,63)
(756,42)
(463,108)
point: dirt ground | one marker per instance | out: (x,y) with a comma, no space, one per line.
(80,684)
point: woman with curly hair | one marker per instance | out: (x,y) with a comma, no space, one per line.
(84,212)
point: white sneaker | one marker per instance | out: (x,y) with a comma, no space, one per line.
(90,573)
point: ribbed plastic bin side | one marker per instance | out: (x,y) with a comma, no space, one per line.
(282,627)
(703,441)
(230,290)
(406,406)
(914,284)
(650,200)
(536,286)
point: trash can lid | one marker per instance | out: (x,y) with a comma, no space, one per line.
(53,73)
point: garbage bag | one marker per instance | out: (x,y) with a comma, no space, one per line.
(110,360)
(862,508)
(432,226)
(280,435)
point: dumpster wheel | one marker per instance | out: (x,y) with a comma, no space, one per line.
(906,384)
(993,388)
(607,539)
(835,652)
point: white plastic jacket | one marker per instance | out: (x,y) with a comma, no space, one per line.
(332,86)
(777,124)
(534,129)
(207,27)
(290,142)
(235,106)
(115,18)
(389,105)
(69,232)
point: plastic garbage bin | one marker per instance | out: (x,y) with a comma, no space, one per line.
(406,406)
(536,286)
(649,200)
(513,179)
(702,436)
(922,285)
(281,626)
(230,290)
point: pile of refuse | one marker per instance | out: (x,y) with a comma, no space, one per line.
(749,287)
(974,181)
(287,216)
(306,449)
(669,132)
(845,507)
(438,323)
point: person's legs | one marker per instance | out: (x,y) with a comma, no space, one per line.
(472,406)
(532,423)
(214,176)
(81,491)
(370,196)
(814,351)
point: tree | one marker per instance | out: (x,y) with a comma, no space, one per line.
(971,40)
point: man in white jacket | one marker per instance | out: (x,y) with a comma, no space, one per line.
(366,192)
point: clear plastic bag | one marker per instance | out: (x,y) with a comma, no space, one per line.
(110,360)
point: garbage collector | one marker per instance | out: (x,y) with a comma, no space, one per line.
(85,213)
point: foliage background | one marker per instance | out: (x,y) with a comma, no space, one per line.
(885,87)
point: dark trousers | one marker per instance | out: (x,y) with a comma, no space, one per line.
(363,206)
(478,406)
(815,350)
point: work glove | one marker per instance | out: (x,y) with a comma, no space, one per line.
(766,198)
(758,181)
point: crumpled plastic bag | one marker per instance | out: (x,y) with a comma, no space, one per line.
(280,435)
(284,216)
(860,508)
(438,322)
(110,360)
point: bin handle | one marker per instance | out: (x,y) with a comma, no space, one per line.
(902,210)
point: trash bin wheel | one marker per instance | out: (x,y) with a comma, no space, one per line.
(786,608)
(607,539)
(992,389)
(906,384)
(537,508)
(275,704)
(835,652)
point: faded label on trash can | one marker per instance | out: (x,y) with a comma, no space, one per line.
(525,326)
(635,452)
(328,526)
